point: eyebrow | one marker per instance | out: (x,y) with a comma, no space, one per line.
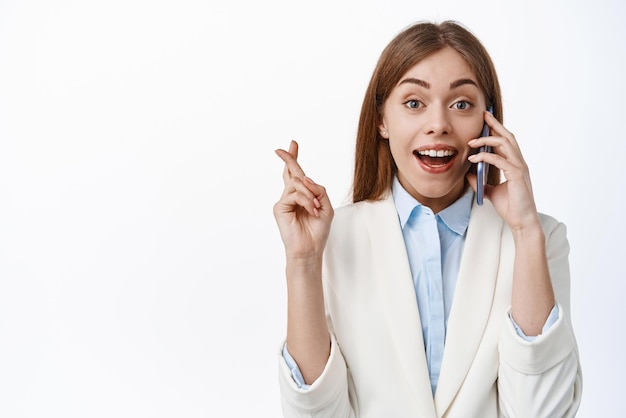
(462,82)
(426,85)
(417,81)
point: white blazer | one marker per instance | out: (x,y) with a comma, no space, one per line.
(377,366)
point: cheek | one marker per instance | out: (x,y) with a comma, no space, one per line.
(394,146)
(403,129)
(399,153)
(472,129)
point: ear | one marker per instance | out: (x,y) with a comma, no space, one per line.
(383,130)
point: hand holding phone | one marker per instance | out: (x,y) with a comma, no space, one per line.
(482,169)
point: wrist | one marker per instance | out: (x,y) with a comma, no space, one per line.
(529,230)
(303,266)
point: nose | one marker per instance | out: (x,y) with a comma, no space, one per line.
(437,121)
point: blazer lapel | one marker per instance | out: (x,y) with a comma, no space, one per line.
(393,275)
(472,302)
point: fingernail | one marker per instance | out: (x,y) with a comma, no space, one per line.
(316,212)
(472,157)
(309,180)
(316,202)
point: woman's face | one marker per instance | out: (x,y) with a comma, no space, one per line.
(428,118)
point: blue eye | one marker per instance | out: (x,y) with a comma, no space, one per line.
(462,105)
(412,104)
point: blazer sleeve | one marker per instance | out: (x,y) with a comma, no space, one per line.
(326,397)
(542,378)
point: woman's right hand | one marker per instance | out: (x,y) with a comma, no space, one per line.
(303,213)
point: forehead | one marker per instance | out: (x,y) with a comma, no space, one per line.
(441,68)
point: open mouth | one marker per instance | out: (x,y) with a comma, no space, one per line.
(435,158)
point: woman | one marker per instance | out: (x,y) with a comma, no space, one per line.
(413,300)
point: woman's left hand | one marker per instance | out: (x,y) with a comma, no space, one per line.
(512,199)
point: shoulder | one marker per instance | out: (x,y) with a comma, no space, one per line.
(488,214)
(548,223)
(554,231)
(350,210)
(357,225)
(556,236)
(355,214)
(485,221)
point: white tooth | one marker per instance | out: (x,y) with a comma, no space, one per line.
(434,153)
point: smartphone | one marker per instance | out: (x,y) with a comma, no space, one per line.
(482,169)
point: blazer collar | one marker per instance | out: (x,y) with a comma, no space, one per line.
(472,302)
(393,274)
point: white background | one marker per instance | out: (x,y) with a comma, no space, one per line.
(141,272)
